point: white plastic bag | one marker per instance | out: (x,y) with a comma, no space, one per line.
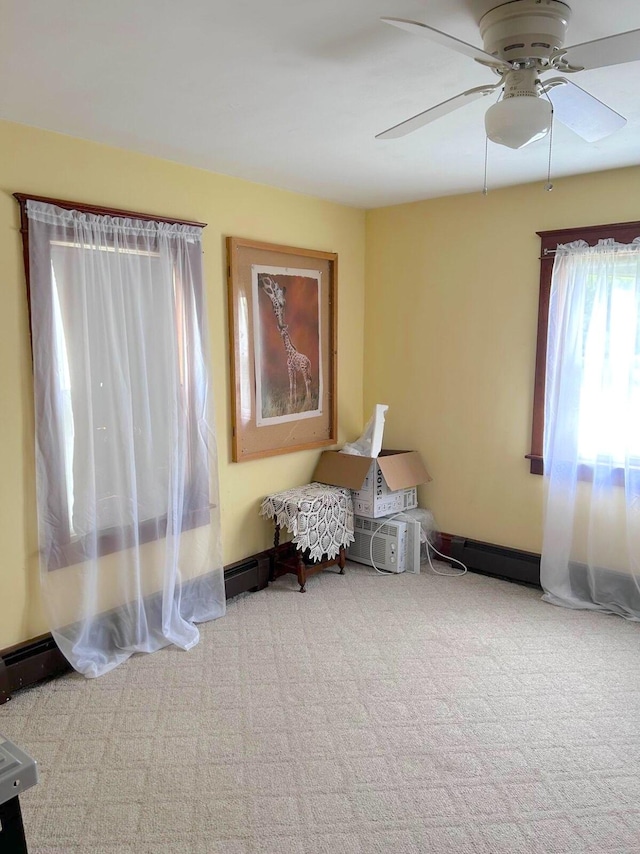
(428,532)
(370,443)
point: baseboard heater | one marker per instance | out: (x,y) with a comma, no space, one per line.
(28,663)
(589,582)
(248,575)
(503,562)
(32,661)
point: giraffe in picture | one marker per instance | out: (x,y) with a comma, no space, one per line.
(296,362)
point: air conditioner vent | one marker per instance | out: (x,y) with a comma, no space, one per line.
(379,550)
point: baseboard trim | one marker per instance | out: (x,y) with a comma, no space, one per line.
(443,543)
(37,659)
(30,662)
(489,559)
(248,575)
(581,581)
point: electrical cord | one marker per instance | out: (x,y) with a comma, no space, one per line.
(430,548)
(386,572)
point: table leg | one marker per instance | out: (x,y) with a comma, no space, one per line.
(342,559)
(302,573)
(12,836)
(272,558)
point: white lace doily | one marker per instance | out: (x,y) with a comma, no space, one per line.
(319,517)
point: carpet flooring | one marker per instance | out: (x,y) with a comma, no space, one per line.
(403,714)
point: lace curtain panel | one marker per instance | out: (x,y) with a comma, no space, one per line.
(127,490)
(591,547)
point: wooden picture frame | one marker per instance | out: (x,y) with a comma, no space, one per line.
(283,337)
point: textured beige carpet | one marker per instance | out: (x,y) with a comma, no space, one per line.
(402,714)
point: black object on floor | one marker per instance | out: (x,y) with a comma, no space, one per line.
(18,772)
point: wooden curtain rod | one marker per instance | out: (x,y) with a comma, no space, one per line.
(100,211)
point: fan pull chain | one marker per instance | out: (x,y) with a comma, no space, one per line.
(485,189)
(549,186)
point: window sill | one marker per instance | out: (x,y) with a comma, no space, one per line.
(119,539)
(585,472)
(537,464)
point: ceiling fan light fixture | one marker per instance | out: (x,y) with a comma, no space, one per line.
(524,39)
(516,122)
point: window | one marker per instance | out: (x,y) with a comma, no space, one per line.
(115,300)
(597,394)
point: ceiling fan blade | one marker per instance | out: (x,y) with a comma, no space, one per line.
(436,112)
(612,50)
(581,112)
(448,41)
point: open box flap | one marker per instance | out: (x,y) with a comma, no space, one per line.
(402,469)
(342,469)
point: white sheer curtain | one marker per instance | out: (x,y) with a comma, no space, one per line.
(128,506)
(591,548)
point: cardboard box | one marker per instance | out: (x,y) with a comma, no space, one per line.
(380,486)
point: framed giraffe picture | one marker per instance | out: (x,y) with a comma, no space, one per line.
(282,322)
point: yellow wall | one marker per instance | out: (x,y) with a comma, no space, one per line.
(448,336)
(46,164)
(450,333)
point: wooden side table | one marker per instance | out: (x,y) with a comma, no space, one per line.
(320,518)
(293,560)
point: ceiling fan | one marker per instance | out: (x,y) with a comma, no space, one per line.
(524,39)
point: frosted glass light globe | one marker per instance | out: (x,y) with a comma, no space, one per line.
(515,122)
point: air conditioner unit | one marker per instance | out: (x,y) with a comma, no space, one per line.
(393,543)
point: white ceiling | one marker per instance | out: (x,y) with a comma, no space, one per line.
(291,92)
